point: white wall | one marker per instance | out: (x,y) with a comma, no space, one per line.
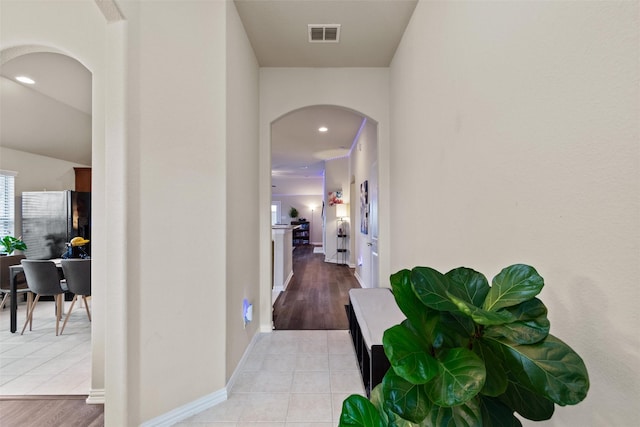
(283,90)
(38,173)
(515,139)
(242,188)
(177,186)
(363,156)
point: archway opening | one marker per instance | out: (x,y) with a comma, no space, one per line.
(45,139)
(317,153)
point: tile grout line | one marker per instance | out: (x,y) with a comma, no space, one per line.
(42,346)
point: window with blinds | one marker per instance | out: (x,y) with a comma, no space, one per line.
(7,203)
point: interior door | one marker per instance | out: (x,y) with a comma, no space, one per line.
(373,226)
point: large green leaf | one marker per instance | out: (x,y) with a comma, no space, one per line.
(549,368)
(530,405)
(530,326)
(473,283)
(389,419)
(480,316)
(377,397)
(496,414)
(409,358)
(407,300)
(359,411)
(431,287)
(466,415)
(461,377)
(394,420)
(448,330)
(513,285)
(496,381)
(407,400)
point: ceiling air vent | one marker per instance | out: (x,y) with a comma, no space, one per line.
(324,33)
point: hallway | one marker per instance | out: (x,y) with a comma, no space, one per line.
(316,296)
(289,379)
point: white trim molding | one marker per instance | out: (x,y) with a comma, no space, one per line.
(96,397)
(236,372)
(359,279)
(185,411)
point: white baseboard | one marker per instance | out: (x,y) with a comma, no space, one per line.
(286,282)
(336,261)
(185,411)
(277,289)
(359,279)
(96,397)
(190,409)
(274,296)
(236,372)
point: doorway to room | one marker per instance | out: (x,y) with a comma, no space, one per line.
(317,153)
(58,97)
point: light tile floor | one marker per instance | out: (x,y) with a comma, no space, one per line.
(39,362)
(289,379)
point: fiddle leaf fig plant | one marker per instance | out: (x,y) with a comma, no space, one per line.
(470,354)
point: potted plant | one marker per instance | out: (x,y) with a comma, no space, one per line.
(11,244)
(470,354)
(293,213)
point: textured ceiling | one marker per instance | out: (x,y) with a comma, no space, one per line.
(298,149)
(52,117)
(370,31)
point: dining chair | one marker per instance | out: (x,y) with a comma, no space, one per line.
(21,284)
(42,280)
(77,273)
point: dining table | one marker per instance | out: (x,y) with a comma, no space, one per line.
(14,270)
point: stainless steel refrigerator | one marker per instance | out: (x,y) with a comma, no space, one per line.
(50,219)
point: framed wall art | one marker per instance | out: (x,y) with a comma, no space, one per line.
(335,198)
(364,207)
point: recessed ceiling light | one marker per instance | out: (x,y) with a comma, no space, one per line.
(323,129)
(25,79)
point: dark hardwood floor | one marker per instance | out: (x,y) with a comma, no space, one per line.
(49,411)
(316,296)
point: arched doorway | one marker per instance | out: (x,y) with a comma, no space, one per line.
(46,134)
(317,153)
